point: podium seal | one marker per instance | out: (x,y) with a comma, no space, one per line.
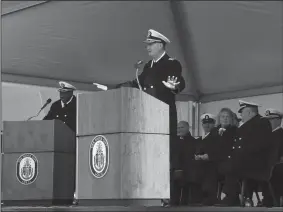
(27,168)
(99,156)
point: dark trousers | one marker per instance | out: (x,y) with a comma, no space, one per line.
(174,187)
(277,180)
(175,192)
(277,186)
(204,173)
(209,182)
(232,187)
(173,120)
(185,193)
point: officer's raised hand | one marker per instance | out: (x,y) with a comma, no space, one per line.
(171,83)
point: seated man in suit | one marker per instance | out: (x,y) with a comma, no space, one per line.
(182,152)
(64,109)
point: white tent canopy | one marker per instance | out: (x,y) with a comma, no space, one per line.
(227,49)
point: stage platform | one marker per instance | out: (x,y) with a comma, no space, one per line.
(141,209)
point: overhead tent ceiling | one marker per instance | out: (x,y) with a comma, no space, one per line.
(227,49)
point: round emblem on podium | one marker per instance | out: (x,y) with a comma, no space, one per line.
(27,168)
(99,156)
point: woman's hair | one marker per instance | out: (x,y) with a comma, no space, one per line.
(233,117)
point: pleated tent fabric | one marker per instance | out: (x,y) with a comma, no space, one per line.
(227,48)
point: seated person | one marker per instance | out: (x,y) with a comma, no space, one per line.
(184,148)
(225,131)
(214,149)
(203,171)
(248,157)
(275,118)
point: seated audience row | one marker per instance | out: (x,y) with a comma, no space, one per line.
(230,156)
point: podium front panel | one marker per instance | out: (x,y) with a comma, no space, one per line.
(138,167)
(22,187)
(125,110)
(44,176)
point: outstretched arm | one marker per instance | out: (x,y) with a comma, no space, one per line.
(175,81)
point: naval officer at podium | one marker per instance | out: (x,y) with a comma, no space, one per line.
(161,78)
(64,109)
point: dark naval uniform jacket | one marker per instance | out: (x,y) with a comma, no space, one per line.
(277,136)
(277,174)
(66,114)
(250,152)
(204,145)
(210,145)
(151,82)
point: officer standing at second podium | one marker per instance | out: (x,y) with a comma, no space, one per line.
(64,109)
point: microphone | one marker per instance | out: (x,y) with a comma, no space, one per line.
(137,65)
(46,103)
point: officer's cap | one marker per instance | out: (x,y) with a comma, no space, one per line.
(272,113)
(244,104)
(65,87)
(207,118)
(154,36)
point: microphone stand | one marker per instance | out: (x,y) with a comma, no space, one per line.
(44,106)
(137,76)
(35,115)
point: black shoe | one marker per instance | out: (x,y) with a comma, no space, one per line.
(248,203)
(75,202)
(165,203)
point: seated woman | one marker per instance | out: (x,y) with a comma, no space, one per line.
(225,130)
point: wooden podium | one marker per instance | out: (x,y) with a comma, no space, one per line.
(122,148)
(38,163)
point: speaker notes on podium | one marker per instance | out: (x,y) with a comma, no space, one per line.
(102,87)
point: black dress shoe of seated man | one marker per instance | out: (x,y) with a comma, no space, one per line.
(165,203)
(75,202)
